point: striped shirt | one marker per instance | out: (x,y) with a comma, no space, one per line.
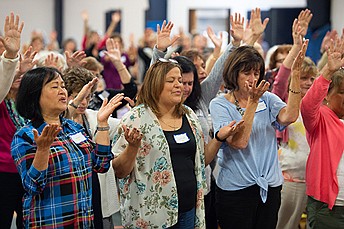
(61,195)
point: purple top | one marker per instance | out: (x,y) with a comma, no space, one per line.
(110,73)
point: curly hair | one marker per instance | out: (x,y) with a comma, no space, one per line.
(77,77)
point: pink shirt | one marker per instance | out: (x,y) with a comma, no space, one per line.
(325,133)
(7,131)
(280,89)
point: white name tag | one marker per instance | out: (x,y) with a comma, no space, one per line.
(104,95)
(77,138)
(261,106)
(181,138)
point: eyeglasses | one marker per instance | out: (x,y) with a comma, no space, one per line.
(167,60)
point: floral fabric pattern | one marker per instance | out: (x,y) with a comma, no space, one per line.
(149,196)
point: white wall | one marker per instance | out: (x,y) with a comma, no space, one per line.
(35,14)
(39,14)
(133,16)
(337,9)
(239,6)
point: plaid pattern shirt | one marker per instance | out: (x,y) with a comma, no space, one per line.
(61,195)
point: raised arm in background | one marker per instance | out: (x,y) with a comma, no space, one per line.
(10,57)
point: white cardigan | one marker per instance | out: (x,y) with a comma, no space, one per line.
(108,186)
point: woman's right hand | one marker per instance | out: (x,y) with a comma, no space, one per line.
(47,136)
(255,92)
(163,40)
(133,137)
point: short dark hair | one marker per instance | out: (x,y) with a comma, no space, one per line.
(30,89)
(188,66)
(244,58)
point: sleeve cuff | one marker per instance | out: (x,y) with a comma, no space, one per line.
(37,175)
(9,60)
(103,151)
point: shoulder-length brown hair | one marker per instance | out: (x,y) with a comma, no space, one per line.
(241,59)
(152,86)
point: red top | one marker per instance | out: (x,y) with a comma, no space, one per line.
(325,133)
(7,131)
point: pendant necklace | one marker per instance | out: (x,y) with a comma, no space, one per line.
(239,109)
(173,127)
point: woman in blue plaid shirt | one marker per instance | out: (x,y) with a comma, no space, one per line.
(54,155)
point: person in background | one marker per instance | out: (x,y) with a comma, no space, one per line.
(161,162)
(54,156)
(104,188)
(322,110)
(11,191)
(249,179)
(111,73)
(130,87)
(293,146)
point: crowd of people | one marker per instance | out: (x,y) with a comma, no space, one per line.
(171,133)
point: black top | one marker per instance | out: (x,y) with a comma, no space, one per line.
(130,90)
(182,146)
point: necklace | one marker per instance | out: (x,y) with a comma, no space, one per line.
(239,109)
(173,127)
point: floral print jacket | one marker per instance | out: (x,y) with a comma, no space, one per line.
(149,194)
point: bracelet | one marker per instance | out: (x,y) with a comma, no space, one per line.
(106,128)
(295,92)
(71,103)
(217,137)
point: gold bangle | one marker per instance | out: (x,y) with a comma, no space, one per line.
(294,92)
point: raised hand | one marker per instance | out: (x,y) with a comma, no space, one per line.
(334,55)
(255,92)
(304,18)
(217,41)
(297,64)
(47,137)
(133,137)
(52,61)
(297,33)
(116,17)
(256,25)
(113,51)
(12,34)
(325,44)
(237,28)
(108,107)
(76,59)
(27,61)
(163,39)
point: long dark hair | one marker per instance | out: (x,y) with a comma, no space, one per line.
(188,66)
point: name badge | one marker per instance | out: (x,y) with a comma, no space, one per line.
(261,106)
(104,95)
(181,138)
(78,137)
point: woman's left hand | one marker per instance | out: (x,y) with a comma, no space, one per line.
(108,107)
(230,130)
(297,64)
